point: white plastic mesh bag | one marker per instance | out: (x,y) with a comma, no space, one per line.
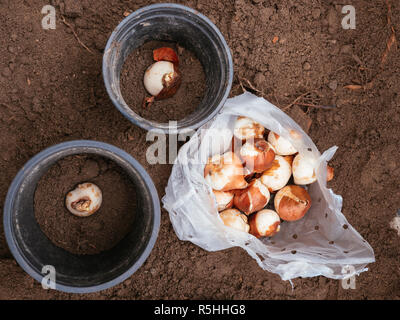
(325,243)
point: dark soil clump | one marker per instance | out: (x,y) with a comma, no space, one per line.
(104,228)
(177,107)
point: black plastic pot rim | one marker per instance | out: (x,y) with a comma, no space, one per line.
(14,187)
(164,127)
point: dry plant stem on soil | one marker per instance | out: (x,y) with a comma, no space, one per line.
(392,38)
(366,86)
(389,44)
(250,86)
(309,105)
(295,102)
(75,35)
(328,107)
(297,99)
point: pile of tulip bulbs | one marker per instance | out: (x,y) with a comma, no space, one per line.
(244,179)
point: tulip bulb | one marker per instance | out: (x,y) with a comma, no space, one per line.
(282,146)
(224,199)
(292,202)
(233,218)
(246,128)
(84,200)
(225,172)
(254,198)
(264,223)
(257,156)
(156,75)
(162,79)
(304,169)
(278,175)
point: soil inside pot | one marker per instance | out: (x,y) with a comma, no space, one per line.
(103,229)
(177,107)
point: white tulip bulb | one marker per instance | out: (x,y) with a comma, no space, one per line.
(154,75)
(224,199)
(84,200)
(225,172)
(282,146)
(278,175)
(233,218)
(246,128)
(304,169)
(264,223)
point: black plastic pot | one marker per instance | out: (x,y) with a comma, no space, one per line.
(188,28)
(79,273)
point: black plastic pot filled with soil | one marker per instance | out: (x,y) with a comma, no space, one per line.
(205,67)
(94,250)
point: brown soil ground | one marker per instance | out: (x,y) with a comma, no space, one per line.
(51,90)
(104,228)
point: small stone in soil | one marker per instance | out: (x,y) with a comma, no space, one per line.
(333,85)
(306,66)
(6,72)
(395,224)
(11,49)
(316,13)
(266,13)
